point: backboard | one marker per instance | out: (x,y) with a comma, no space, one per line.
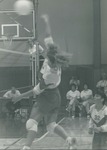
(18,26)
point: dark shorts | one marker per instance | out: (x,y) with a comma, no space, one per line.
(47,106)
(99,141)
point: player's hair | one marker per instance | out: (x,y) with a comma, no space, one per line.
(55,55)
(100,92)
(51,53)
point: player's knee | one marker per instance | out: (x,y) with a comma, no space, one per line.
(51,127)
(31,124)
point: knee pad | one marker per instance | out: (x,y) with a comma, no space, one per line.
(31,124)
(51,127)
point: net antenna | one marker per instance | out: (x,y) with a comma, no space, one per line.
(7,40)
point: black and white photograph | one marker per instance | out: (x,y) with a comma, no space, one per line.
(53,74)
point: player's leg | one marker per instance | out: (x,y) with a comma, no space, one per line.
(96,141)
(53,127)
(87,108)
(32,126)
(73,109)
(69,107)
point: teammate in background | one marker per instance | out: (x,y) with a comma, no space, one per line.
(98,121)
(48,99)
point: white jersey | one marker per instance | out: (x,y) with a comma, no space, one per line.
(86,94)
(48,72)
(73,94)
(98,118)
(50,75)
(103,84)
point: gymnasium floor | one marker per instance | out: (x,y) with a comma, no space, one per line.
(75,127)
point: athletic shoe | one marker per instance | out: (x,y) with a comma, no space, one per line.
(73,146)
(88,116)
(72,143)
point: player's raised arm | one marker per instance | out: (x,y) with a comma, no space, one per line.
(48,39)
(45,17)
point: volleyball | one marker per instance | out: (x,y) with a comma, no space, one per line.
(23,7)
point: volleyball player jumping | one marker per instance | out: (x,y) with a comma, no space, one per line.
(48,99)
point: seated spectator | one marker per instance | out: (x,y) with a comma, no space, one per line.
(9,105)
(75,81)
(103,82)
(11,93)
(73,96)
(86,98)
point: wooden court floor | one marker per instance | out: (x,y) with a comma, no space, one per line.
(77,128)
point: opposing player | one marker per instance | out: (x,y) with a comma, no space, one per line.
(48,99)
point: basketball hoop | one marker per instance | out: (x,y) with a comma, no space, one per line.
(7,41)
